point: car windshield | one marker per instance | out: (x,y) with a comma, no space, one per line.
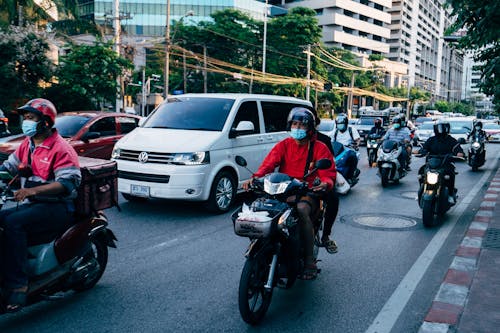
(491,126)
(467,125)
(191,113)
(366,121)
(326,125)
(423,120)
(426,126)
(459,130)
(68,126)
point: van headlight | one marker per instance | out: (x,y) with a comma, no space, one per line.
(432,178)
(116,153)
(197,158)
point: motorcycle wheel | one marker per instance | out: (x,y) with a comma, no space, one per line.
(474,168)
(384,176)
(428,213)
(253,298)
(96,258)
(371,158)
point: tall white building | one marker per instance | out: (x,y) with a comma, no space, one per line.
(417,31)
(356,25)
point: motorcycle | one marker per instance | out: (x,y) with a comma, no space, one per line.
(372,146)
(74,260)
(341,154)
(433,193)
(477,153)
(389,168)
(274,256)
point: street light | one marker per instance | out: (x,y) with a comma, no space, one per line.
(167,46)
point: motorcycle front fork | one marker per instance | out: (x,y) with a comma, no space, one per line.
(272,270)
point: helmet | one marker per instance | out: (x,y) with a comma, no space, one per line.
(402,117)
(342,120)
(478,123)
(303,115)
(396,120)
(378,122)
(42,107)
(442,128)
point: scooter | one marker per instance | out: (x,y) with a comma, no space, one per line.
(342,154)
(389,168)
(372,146)
(75,259)
(477,153)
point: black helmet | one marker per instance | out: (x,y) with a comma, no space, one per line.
(303,115)
(378,122)
(478,123)
(342,120)
(442,128)
(396,120)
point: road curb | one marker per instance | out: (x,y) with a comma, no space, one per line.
(449,302)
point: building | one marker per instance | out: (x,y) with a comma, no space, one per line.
(360,26)
(417,30)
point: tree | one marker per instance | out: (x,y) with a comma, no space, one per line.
(90,73)
(481,20)
(24,65)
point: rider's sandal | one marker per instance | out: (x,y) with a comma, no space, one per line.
(310,272)
(16,301)
(330,246)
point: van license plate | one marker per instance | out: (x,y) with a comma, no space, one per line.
(139,190)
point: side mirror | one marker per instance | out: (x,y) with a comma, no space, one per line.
(240,160)
(90,136)
(244,127)
(323,164)
(142,121)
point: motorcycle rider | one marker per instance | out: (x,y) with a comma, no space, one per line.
(50,174)
(478,130)
(377,128)
(330,198)
(349,137)
(441,144)
(401,135)
(291,157)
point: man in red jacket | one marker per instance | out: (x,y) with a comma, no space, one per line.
(290,157)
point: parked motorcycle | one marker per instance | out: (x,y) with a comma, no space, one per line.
(73,260)
(342,154)
(477,153)
(389,168)
(433,193)
(372,146)
(274,257)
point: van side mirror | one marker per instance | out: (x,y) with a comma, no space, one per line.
(142,121)
(244,127)
(90,136)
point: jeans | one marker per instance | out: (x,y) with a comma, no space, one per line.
(23,222)
(332,207)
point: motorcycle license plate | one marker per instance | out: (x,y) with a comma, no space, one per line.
(139,190)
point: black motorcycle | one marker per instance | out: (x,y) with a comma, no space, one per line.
(477,153)
(274,256)
(372,146)
(433,195)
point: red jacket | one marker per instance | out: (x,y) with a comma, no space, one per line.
(291,159)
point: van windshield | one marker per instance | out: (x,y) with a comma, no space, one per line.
(191,113)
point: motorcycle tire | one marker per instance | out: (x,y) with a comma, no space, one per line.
(428,213)
(253,298)
(384,176)
(371,159)
(97,255)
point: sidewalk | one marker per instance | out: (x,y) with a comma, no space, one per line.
(469,297)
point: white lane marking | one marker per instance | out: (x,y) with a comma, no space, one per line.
(387,317)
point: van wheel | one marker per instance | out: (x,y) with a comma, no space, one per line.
(222,193)
(133,198)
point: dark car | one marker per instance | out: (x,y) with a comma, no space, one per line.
(4,125)
(91,133)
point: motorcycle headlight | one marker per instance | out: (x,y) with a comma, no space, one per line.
(432,177)
(275,188)
(196,158)
(284,217)
(476,145)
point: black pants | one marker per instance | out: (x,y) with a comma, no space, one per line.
(332,209)
(26,222)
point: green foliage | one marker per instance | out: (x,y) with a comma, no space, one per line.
(91,72)
(481,20)
(375,57)
(23,65)
(442,106)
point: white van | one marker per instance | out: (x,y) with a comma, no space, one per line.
(185,149)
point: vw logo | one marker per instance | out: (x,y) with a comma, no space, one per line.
(143,157)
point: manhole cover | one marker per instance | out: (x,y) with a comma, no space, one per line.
(492,239)
(381,221)
(409,195)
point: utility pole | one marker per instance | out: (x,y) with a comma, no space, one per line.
(117,27)
(264,42)
(350,97)
(167,52)
(184,70)
(308,84)
(143,95)
(205,69)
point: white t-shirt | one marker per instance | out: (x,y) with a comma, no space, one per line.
(345,138)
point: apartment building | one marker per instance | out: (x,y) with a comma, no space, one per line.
(416,39)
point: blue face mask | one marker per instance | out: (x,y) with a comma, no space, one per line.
(298,133)
(29,127)
(342,127)
(396,126)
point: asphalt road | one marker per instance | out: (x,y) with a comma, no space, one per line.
(177,268)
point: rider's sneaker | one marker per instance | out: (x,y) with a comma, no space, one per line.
(451,200)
